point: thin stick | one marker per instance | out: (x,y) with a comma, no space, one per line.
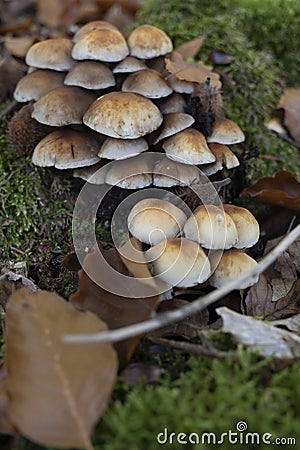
(177,315)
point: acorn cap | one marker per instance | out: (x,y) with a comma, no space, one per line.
(224,157)
(225,131)
(66,149)
(36,84)
(147,82)
(171,104)
(232,265)
(129,65)
(147,42)
(168,173)
(211,227)
(90,75)
(152,220)
(52,54)
(93,174)
(123,115)
(172,124)
(113,148)
(104,44)
(246,225)
(179,262)
(189,147)
(131,173)
(62,106)
(91,26)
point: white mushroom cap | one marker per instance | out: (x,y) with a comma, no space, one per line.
(131,173)
(224,157)
(103,44)
(189,147)
(66,149)
(182,86)
(225,131)
(36,84)
(179,262)
(147,42)
(172,124)
(90,75)
(62,106)
(168,173)
(171,104)
(152,220)
(147,82)
(232,265)
(94,174)
(246,225)
(211,227)
(123,115)
(122,148)
(91,26)
(52,54)
(129,65)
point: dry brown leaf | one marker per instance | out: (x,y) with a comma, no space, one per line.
(191,48)
(117,311)
(290,102)
(6,425)
(18,45)
(57,392)
(283,190)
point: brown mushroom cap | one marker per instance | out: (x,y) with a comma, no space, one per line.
(179,262)
(171,104)
(123,115)
(147,42)
(62,106)
(36,84)
(90,75)
(152,220)
(147,82)
(113,148)
(91,26)
(104,44)
(211,227)
(225,131)
(189,147)
(131,173)
(168,173)
(66,149)
(172,124)
(232,265)
(129,65)
(246,225)
(52,54)
(224,157)
(94,174)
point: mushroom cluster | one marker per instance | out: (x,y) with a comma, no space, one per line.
(208,245)
(108,98)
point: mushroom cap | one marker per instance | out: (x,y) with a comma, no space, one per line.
(152,220)
(104,44)
(224,157)
(168,173)
(131,173)
(52,54)
(62,106)
(93,174)
(147,42)
(113,148)
(129,65)
(182,86)
(171,104)
(34,85)
(90,75)
(211,227)
(225,131)
(189,147)
(232,265)
(66,149)
(246,225)
(179,262)
(147,82)
(172,124)
(123,115)
(91,26)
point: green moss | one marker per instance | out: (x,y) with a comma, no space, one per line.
(254,79)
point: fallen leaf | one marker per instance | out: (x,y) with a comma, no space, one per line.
(6,425)
(220,58)
(283,189)
(291,323)
(290,102)
(57,391)
(260,336)
(190,49)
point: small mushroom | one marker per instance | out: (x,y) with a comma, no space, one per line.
(90,75)
(147,82)
(152,220)
(168,173)
(225,131)
(52,54)
(172,124)
(179,262)
(224,157)
(91,26)
(246,225)
(38,83)
(131,173)
(147,42)
(129,65)
(113,148)
(172,104)
(94,174)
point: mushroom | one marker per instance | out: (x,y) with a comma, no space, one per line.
(94,174)
(171,104)
(152,220)
(52,54)
(131,173)
(246,225)
(179,262)
(36,84)
(90,75)
(91,26)
(168,173)
(147,82)
(225,131)
(212,227)
(172,124)
(113,148)
(232,265)
(129,65)
(224,157)
(147,42)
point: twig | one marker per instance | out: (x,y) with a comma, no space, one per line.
(287,139)
(197,305)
